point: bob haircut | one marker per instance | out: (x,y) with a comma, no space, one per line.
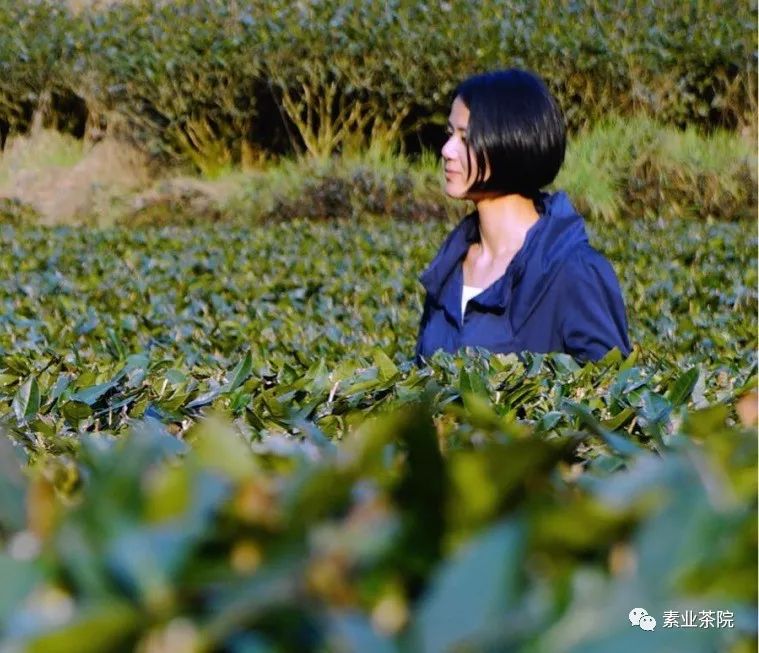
(516,128)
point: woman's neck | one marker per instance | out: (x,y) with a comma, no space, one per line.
(504,222)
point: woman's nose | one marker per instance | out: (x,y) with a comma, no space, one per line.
(447,149)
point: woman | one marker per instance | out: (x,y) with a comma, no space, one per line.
(517,274)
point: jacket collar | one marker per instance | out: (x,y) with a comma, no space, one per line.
(453,249)
(557,231)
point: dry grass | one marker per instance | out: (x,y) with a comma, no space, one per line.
(48,149)
(62,182)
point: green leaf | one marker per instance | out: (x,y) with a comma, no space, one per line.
(612,357)
(19,579)
(13,487)
(135,362)
(58,389)
(472,591)
(617,443)
(204,399)
(421,489)
(565,364)
(679,391)
(91,395)
(176,377)
(387,369)
(148,559)
(75,411)
(549,421)
(217,446)
(239,374)
(353,632)
(97,629)
(7,379)
(481,412)
(655,409)
(631,360)
(706,423)
(26,402)
(271,402)
(269,588)
(472,382)
(619,419)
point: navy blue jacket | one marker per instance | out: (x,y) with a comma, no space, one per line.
(558,294)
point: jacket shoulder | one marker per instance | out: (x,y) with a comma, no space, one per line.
(586,261)
(593,316)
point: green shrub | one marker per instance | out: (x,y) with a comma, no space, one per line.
(432,524)
(624,168)
(383,505)
(186,79)
(35,47)
(693,63)
(621,169)
(178,78)
(302,289)
(17,213)
(689,64)
(358,194)
(349,75)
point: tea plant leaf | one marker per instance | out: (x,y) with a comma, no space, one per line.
(241,372)
(387,368)
(94,630)
(75,411)
(679,391)
(617,443)
(218,447)
(92,394)
(26,402)
(472,590)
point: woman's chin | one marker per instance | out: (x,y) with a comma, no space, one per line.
(455,191)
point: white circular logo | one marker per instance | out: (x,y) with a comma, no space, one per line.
(647,622)
(635,616)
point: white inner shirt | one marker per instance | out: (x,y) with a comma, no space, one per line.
(467,292)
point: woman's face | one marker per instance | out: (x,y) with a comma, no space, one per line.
(459,176)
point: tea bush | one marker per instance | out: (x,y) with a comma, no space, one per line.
(504,542)
(187,79)
(299,296)
(214,439)
(35,53)
(179,76)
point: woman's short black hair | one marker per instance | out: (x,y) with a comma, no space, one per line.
(516,128)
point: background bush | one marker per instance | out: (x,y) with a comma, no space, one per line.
(212,83)
(178,78)
(35,54)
